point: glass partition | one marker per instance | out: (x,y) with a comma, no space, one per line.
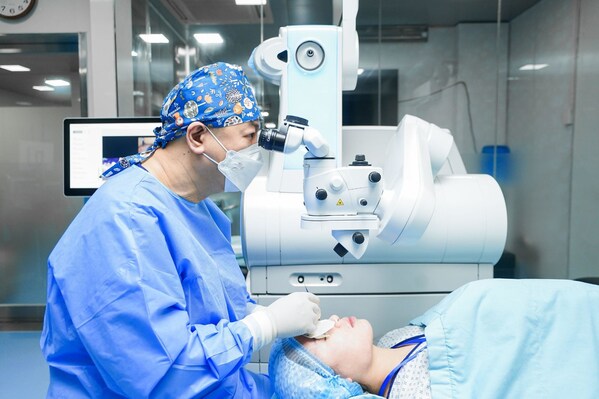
(40,84)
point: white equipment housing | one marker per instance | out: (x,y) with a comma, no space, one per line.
(432,227)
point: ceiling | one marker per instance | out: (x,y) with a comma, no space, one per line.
(389,12)
(57,54)
(48,56)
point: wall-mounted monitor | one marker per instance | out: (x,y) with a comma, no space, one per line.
(92,145)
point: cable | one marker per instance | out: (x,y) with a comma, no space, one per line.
(461,82)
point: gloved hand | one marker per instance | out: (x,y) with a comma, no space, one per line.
(253,307)
(291,315)
(294,314)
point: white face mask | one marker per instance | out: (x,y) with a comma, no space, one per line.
(239,167)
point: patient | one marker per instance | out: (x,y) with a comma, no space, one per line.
(488,339)
(348,352)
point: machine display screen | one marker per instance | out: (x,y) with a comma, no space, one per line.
(92,145)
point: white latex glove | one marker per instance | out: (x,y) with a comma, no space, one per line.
(289,316)
(294,314)
(254,307)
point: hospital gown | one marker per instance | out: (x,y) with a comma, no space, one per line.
(412,381)
(144,299)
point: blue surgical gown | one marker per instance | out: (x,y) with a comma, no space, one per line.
(144,299)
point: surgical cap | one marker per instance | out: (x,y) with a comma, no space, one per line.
(217,95)
(296,374)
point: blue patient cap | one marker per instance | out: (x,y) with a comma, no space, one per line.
(218,95)
(296,374)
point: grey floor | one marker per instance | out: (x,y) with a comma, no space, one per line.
(23,370)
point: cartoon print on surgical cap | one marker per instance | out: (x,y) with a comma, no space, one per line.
(233,96)
(191,109)
(221,113)
(167,104)
(233,120)
(228,99)
(178,119)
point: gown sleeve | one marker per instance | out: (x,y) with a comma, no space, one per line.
(125,295)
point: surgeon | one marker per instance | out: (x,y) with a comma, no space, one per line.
(145,296)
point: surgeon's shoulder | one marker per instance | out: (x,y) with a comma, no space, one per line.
(115,199)
(133,186)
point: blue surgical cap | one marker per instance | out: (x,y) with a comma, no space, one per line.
(296,374)
(217,95)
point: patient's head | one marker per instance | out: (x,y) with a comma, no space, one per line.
(347,349)
(308,368)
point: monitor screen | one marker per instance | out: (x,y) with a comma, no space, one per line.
(92,145)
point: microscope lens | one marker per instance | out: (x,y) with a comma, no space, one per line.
(272,140)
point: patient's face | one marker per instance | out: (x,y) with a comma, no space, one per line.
(347,349)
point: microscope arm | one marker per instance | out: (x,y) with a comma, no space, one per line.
(415,155)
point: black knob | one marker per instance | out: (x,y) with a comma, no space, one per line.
(363,202)
(321,194)
(360,160)
(329,279)
(374,177)
(358,238)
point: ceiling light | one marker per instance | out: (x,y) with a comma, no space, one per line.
(264,114)
(24,103)
(15,68)
(533,67)
(360,71)
(250,2)
(154,38)
(134,53)
(209,38)
(270,125)
(57,82)
(10,50)
(43,88)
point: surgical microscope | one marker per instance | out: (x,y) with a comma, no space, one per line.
(381,222)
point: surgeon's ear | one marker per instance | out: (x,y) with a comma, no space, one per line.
(195,137)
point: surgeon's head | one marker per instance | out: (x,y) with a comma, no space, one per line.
(217,95)
(320,368)
(214,107)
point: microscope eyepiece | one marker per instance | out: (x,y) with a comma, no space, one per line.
(296,120)
(272,140)
(287,138)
